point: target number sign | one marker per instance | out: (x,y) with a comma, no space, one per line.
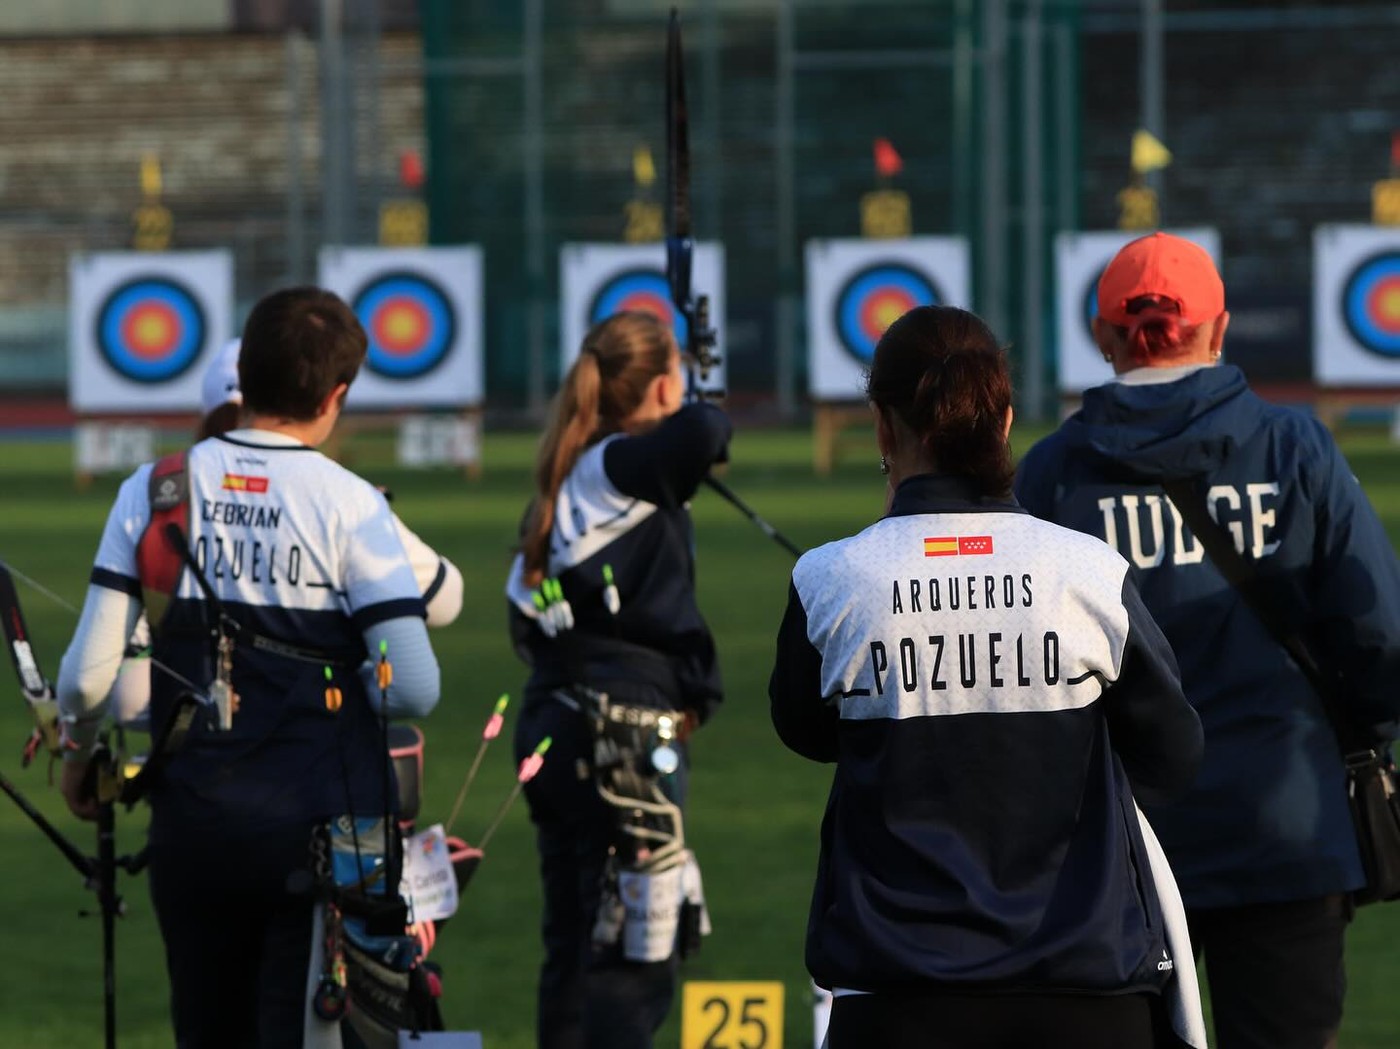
(732,1015)
(410,323)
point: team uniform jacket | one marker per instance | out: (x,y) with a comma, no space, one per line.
(624,504)
(988,686)
(299,550)
(1267,819)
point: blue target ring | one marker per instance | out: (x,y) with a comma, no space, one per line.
(640,289)
(150,329)
(874,298)
(1371,304)
(1091,302)
(410,323)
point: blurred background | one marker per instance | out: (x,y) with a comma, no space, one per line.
(273,127)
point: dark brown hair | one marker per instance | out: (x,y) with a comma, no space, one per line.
(940,371)
(221,420)
(617,362)
(298,345)
(1156,333)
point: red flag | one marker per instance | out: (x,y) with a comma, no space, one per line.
(1395,150)
(411,169)
(888,162)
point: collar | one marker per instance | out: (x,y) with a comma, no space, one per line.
(945,493)
(1149,376)
(268,439)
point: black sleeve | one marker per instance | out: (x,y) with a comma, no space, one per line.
(804,720)
(666,464)
(1153,728)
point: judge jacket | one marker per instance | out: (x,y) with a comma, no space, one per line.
(1267,819)
(988,686)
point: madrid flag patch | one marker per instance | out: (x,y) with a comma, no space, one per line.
(956,545)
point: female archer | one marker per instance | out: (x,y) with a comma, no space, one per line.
(602,599)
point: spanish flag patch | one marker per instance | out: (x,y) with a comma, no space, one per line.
(954,545)
(242,483)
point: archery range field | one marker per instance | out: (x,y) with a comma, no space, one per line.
(755,808)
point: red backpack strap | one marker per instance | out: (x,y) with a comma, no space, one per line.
(158,563)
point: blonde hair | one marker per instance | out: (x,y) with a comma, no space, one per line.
(616,364)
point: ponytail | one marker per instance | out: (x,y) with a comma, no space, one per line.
(570,431)
(617,362)
(940,370)
(1155,333)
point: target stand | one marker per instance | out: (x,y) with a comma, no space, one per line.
(830,421)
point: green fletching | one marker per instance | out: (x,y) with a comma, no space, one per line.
(501,703)
(328,673)
(538,599)
(607,575)
(383,646)
(544,745)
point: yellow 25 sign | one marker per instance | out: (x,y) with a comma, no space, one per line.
(732,1015)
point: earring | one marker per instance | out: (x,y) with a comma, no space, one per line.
(884,465)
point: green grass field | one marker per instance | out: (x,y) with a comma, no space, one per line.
(755,807)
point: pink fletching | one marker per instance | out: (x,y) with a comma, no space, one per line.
(529,767)
(493,727)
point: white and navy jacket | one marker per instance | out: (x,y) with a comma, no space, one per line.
(298,550)
(625,506)
(988,686)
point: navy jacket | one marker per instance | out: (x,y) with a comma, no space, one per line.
(988,686)
(1267,819)
(625,506)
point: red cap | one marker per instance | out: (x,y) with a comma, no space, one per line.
(1167,266)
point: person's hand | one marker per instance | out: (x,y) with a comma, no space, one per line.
(75,787)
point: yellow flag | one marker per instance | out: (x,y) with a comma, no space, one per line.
(150,175)
(1148,153)
(643,170)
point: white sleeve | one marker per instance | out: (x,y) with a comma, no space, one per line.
(378,579)
(438,579)
(89,667)
(417,680)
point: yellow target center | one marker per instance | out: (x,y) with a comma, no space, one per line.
(1390,304)
(152,329)
(887,312)
(402,326)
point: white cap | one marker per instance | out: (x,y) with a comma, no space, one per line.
(221,378)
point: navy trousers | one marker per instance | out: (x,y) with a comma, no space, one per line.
(590,997)
(237,943)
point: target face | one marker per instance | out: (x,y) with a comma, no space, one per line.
(150,329)
(639,289)
(1371,304)
(1091,302)
(410,323)
(873,299)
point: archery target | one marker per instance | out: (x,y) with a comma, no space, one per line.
(599,280)
(1356,305)
(1080,259)
(410,323)
(142,325)
(150,329)
(873,299)
(858,288)
(639,289)
(422,309)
